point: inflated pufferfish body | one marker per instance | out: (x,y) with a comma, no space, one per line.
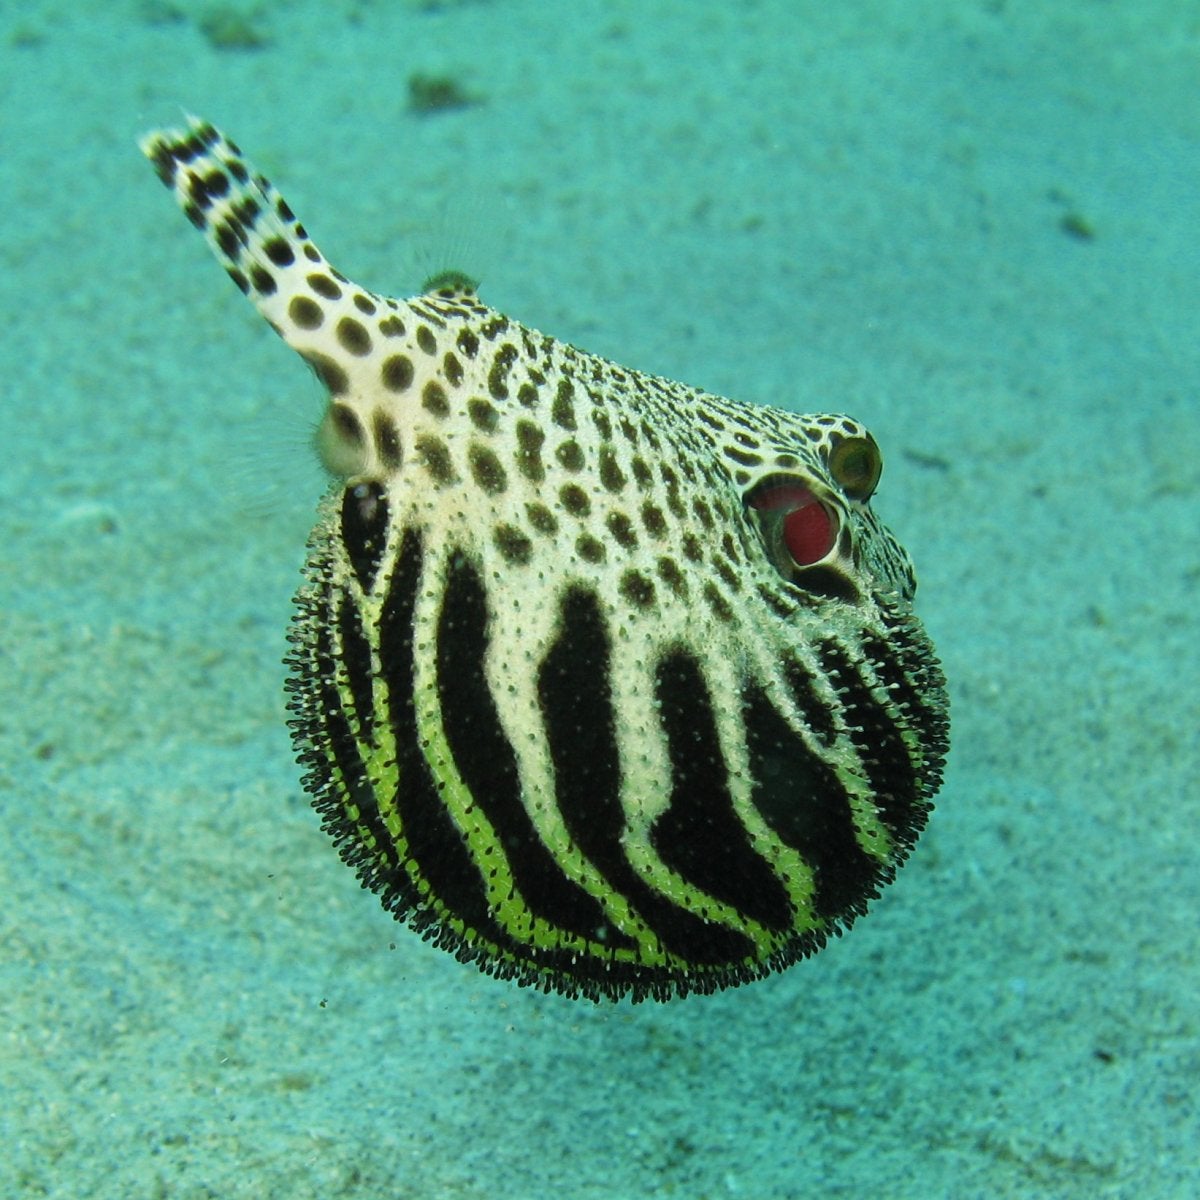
(604,683)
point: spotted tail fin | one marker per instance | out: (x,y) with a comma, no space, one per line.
(266,251)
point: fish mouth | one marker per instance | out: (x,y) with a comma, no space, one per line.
(799,528)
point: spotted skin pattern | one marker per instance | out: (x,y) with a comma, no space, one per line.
(604,683)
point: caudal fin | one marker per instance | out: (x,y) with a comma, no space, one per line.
(267,252)
(252,231)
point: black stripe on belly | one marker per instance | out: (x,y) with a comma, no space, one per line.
(435,844)
(815,713)
(356,659)
(486,762)
(364,526)
(896,789)
(699,836)
(906,665)
(800,797)
(333,731)
(575,692)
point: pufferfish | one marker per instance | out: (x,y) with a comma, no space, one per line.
(604,683)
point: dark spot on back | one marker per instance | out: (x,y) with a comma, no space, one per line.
(589,549)
(672,576)
(487,469)
(436,457)
(513,544)
(637,589)
(324,286)
(575,500)
(611,474)
(353,337)
(328,372)
(262,280)
(230,237)
(279,252)
(397,373)
(434,399)
(529,450)
(483,414)
(653,520)
(621,527)
(570,455)
(718,603)
(563,410)
(305,313)
(506,355)
(541,518)
(387,440)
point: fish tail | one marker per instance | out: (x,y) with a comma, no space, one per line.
(359,344)
(250,227)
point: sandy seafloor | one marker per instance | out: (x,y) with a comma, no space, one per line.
(973,225)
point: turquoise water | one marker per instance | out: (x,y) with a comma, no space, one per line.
(972,225)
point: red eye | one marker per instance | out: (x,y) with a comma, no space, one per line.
(808,533)
(808,529)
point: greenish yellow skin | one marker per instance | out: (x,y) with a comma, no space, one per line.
(603,682)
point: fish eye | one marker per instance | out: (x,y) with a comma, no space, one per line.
(856,464)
